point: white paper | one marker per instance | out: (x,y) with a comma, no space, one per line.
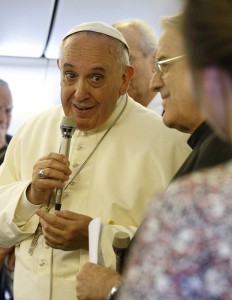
(95,253)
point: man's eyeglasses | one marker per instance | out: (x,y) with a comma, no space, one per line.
(161,66)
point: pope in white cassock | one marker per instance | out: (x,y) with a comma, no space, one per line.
(121,154)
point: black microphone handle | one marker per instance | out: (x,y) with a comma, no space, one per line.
(67,127)
(120,243)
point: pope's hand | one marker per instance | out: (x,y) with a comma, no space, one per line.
(55,167)
(65,230)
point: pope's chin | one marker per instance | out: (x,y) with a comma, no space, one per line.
(83,126)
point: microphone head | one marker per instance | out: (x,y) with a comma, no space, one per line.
(68,122)
(121,240)
(68,126)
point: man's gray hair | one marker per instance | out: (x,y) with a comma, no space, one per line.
(172,22)
(149,40)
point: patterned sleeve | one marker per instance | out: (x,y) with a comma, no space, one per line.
(183,248)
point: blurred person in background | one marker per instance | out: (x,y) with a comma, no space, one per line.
(6,262)
(142,42)
(6,106)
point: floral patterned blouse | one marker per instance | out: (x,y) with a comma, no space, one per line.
(183,250)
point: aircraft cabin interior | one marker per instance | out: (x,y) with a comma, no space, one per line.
(30,34)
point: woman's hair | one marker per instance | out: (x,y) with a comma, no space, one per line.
(207,30)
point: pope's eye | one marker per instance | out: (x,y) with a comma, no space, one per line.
(97,78)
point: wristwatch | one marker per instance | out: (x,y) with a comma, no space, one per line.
(112,293)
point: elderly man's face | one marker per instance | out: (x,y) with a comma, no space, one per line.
(91,79)
(180,110)
(6,105)
(139,85)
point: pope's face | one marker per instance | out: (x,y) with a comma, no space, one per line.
(91,79)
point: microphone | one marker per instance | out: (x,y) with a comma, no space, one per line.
(67,127)
(120,243)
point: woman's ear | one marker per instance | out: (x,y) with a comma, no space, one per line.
(126,78)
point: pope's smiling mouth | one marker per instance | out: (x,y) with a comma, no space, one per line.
(83,108)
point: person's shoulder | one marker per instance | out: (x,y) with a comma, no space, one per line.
(217,149)
(53,111)
(151,122)
(138,112)
(214,140)
(199,188)
(203,181)
(48,115)
(42,120)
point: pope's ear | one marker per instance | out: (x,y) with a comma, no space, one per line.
(126,78)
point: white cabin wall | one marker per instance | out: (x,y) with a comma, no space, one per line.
(34,84)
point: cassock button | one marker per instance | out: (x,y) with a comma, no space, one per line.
(41,263)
